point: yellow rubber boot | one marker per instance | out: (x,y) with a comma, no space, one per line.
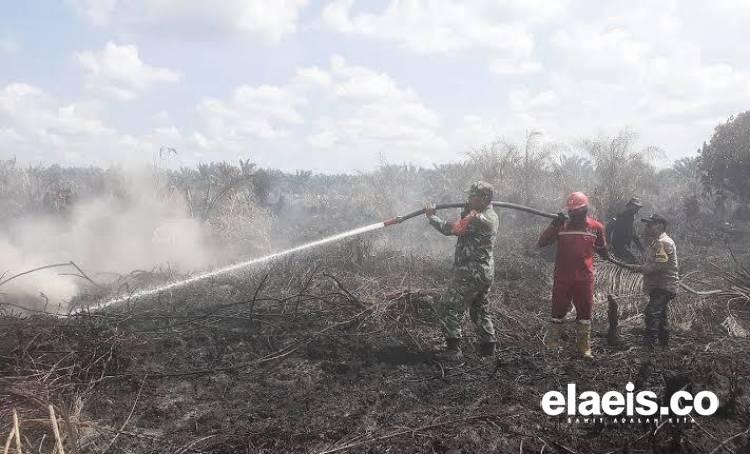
(583,338)
(554,332)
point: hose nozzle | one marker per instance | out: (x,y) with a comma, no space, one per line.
(392,221)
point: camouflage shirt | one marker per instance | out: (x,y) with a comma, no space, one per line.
(660,267)
(473,258)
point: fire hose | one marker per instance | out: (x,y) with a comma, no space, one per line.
(443,206)
(682,284)
(515,206)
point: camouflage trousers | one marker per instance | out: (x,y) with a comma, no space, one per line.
(467,292)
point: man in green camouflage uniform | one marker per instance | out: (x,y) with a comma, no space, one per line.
(473,270)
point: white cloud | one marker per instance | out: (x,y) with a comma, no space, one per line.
(118,71)
(251,114)
(98,12)
(38,126)
(347,116)
(506,66)
(30,110)
(376,117)
(600,53)
(643,66)
(310,77)
(522,99)
(9,138)
(168,133)
(356,115)
(268,21)
(501,31)
(656,67)
(670,70)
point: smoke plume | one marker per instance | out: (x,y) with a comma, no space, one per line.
(143,225)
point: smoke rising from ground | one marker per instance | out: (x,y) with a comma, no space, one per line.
(143,225)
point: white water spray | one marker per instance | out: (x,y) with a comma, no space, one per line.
(237,266)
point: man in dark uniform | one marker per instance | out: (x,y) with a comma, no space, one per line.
(621,232)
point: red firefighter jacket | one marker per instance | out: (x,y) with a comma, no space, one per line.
(576,245)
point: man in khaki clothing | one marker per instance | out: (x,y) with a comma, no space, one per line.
(660,279)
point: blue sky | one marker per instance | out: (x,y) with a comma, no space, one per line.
(339,85)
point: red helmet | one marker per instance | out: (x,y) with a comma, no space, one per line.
(577,200)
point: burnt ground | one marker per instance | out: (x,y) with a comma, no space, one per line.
(334,355)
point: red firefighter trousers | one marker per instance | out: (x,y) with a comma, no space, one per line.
(581,292)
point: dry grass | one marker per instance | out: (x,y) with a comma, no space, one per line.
(326,355)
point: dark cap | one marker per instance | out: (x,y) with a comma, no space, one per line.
(636,202)
(481,189)
(655,219)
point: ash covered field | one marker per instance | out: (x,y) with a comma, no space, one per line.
(336,347)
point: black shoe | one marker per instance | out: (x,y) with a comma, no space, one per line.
(453,344)
(648,343)
(487,349)
(614,340)
(452,352)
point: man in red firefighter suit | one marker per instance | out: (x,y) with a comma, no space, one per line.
(577,239)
